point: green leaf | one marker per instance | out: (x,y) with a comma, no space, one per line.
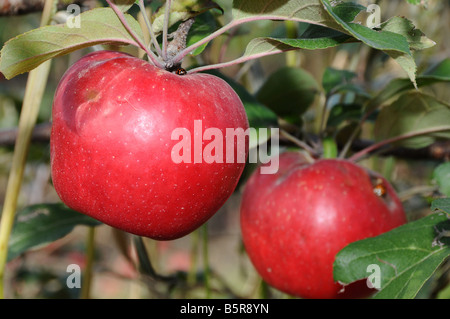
(309,11)
(260,47)
(344,112)
(442,204)
(416,38)
(288,92)
(42,224)
(345,99)
(407,63)
(98,26)
(442,177)
(407,257)
(393,44)
(259,116)
(383,40)
(439,73)
(413,112)
(204,25)
(316,37)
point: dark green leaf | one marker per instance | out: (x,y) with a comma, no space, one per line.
(413,112)
(288,92)
(439,73)
(204,25)
(344,112)
(383,40)
(42,224)
(406,256)
(442,177)
(393,44)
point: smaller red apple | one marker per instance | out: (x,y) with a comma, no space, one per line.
(294,222)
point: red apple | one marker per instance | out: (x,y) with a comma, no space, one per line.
(294,222)
(112,144)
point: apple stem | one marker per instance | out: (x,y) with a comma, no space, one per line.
(357,156)
(150,28)
(299,143)
(153,58)
(166,29)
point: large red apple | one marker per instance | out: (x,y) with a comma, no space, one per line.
(294,222)
(113,147)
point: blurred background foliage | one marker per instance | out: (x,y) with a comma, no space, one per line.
(42,273)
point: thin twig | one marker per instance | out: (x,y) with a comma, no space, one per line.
(40,134)
(150,28)
(299,143)
(355,133)
(225,45)
(362,153)
(19,7)
(166,29)
(153,58)
(242,59)
(437,151)
(180,56)
(234,23)
(418,190)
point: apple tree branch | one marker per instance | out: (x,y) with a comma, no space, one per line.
(19,7)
